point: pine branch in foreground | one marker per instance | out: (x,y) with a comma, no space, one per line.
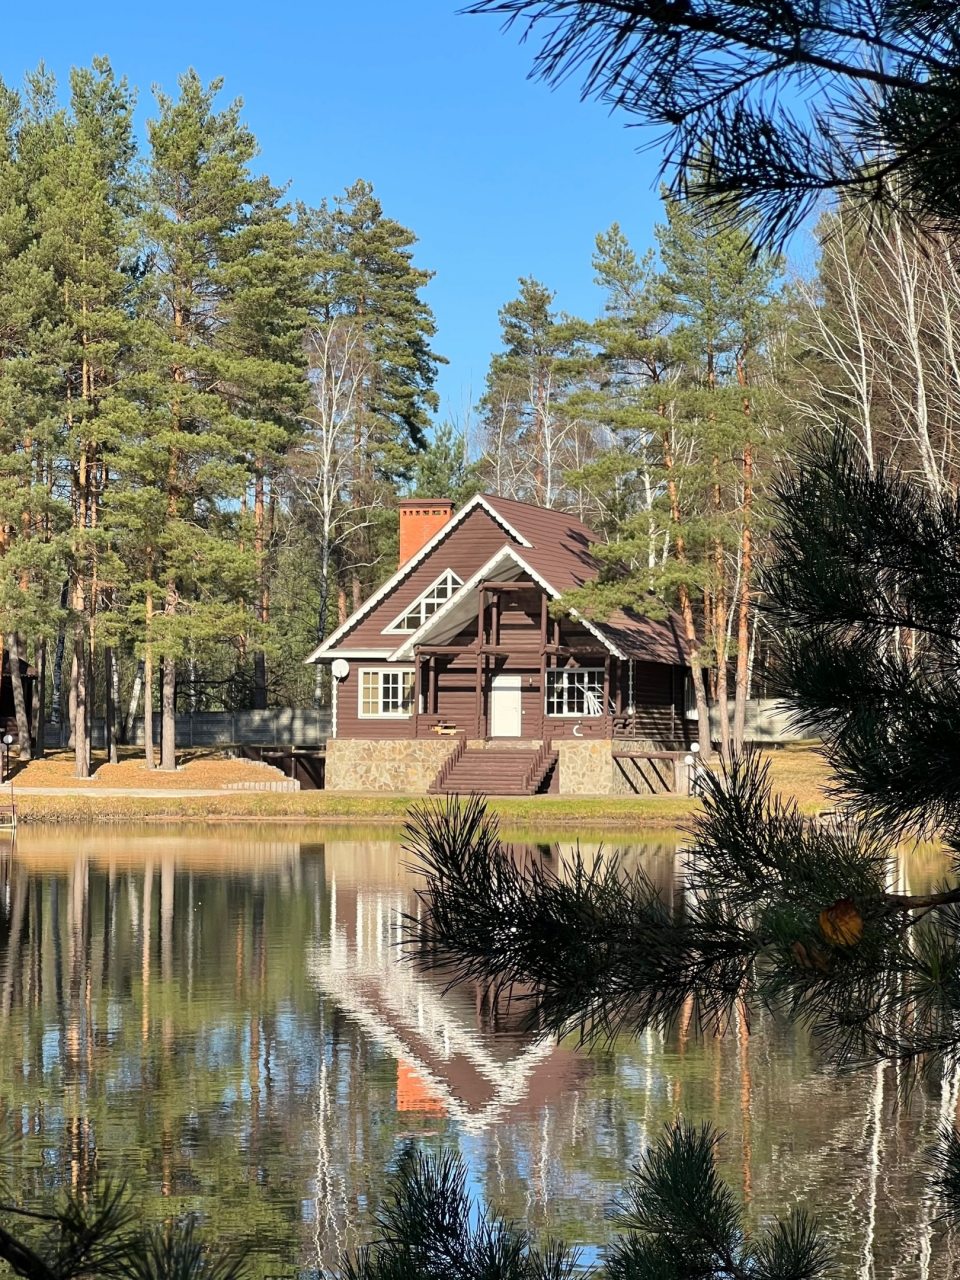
(777,912)
(865,592)
(678,1221)
(101,1236)
(430,1230)
(768,106)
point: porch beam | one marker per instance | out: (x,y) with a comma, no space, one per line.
(564,651)
(445,650)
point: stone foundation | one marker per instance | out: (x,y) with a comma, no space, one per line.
(585,768)
(366,764)
(589,769)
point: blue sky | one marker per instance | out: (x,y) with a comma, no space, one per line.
(498,176)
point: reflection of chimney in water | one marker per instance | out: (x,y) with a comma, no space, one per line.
(415,1094)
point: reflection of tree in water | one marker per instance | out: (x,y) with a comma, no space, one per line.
(162,1021)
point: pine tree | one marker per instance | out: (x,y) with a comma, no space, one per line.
(365,274)
(87,238)
(442,470)
(67,286)
(220,381)
(529,433)
(683,354)
(29,519)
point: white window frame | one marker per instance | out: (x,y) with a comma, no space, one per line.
(454,583)
(380,672)
(565,674)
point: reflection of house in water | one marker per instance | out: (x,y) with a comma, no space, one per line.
(447,1063)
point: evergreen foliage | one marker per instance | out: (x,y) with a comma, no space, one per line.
(768,106)
(800,917)
(443,469)
(103,1236)
(677,1220)
(683,386)
(529,432)
(154,392)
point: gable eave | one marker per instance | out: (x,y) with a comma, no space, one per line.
(479,501)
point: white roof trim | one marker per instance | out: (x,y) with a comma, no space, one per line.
(351,653)
(478,501)
(405,651)
(394,628)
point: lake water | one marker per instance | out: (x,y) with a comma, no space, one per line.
(221,1020)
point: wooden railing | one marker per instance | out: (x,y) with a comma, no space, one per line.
(447,767)
(655,724)
(538,769)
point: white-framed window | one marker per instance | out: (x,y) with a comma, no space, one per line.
(386,692)
(427,603)
(577,692)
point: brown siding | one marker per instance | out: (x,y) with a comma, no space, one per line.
(657,687)
(349,722)
(465,550)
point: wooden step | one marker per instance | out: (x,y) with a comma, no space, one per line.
(508,771)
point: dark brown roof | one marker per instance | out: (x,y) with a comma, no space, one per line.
(560,553)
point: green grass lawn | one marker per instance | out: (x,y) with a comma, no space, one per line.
(798,773)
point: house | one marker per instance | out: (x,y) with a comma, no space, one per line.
(456,675)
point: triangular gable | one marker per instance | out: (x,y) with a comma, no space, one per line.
(506,556)
(405,570)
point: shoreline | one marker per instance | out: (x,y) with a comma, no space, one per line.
(54,807)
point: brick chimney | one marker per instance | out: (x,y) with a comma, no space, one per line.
(420,519)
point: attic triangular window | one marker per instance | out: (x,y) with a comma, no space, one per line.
(426,604)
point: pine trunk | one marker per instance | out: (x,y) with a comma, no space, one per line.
(81,743)
(19,702)
(720,615)
(686,612)
(109,708)
(259,543)
(72,702)
(148,751)
(699,688)
(168,715)
(742,679)
(56,704)
(149,754)
(40,701)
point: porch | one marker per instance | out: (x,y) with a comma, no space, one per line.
(513,671)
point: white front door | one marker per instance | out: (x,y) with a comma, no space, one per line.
(505,718)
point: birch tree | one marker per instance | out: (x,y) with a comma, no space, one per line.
(325,471)
(883,352)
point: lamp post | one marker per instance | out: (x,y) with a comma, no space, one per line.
(7,743)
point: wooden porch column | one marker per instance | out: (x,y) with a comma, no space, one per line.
(544,618)
(481,658)
(608,719)
(417,683)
